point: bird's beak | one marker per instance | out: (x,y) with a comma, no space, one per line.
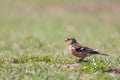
(65,39)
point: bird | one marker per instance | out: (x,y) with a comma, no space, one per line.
(79,50)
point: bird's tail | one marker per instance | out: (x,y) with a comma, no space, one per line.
(103,54)
(96,52)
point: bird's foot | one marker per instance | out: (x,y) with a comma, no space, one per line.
(82,60)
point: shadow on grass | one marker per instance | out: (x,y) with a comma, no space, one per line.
(114,70)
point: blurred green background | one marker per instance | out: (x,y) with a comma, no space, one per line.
(92,22)
(39,27)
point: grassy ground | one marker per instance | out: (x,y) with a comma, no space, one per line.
(32,37)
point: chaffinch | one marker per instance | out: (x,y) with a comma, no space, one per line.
(80,51)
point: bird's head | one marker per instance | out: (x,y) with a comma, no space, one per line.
(70,40)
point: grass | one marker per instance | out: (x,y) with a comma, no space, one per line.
(32,37)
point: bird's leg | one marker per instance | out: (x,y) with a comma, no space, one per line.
(81,59)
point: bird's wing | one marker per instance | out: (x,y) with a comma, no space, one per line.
(78,48)
(84,49)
